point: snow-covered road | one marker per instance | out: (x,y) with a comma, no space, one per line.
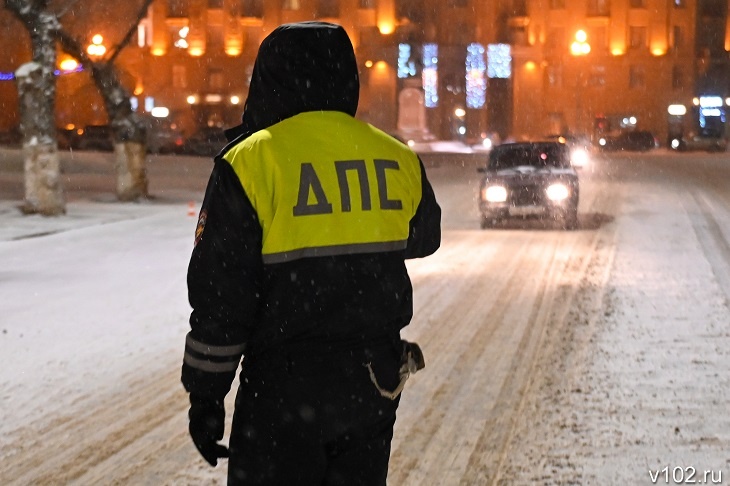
(598,356)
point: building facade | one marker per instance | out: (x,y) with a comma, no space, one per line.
(440,68)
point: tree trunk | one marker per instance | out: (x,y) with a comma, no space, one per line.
(130,134)
(129,164)
(43,189)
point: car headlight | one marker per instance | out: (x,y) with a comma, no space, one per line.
(579,157)
(675,143)
(557,192)
(602,142)
(495,194)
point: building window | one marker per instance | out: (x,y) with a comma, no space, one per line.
(554,75)
(328,8)
(598,8)
(430,75)
(252,8)
(216,80)
(637,3)
(598,39)
(367,3)
(597,77)
(677,78)
(215,4)
(557,4)
(677,37)
(555,42)
(476,80)
(637,76)
(637,37)
(291,5)
(177,8)
(410,9)
(179,77)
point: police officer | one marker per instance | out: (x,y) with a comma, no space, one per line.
(299,269)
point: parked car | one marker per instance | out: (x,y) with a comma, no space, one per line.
(207,141)
(164,137)
(96,137)
(529,179)
(707,141)
(634,140)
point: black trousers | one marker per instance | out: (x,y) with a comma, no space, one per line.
(320,421)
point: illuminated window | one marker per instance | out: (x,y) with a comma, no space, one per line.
(476,81)
(291,5)
(406,65)
(430,75)
(499,61)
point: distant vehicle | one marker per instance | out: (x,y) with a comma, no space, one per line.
(635,140)
(529,179)
(579,145)
(207,141)
(707,141)
(164,137)
(67,138)
(96,137)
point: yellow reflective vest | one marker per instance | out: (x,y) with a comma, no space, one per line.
(324,183)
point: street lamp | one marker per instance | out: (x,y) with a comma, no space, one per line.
(96,49)
(580,48)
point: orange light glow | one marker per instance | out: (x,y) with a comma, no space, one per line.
(68,64)
(386,28)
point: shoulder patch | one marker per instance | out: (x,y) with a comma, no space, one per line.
(200,227)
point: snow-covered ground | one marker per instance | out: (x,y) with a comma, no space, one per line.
(598,356)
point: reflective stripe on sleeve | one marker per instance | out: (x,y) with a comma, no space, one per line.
(211,350)
(210,366)
(212,358)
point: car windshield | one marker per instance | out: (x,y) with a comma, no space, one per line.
(540,155)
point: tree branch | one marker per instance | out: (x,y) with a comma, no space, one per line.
(130,33)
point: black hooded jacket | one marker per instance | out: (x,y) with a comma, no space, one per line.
(264,280)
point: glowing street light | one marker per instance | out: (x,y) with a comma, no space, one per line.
(580,46)
(96,48)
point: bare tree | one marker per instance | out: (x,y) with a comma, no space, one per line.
(36,86)
(37,95)
(130,135)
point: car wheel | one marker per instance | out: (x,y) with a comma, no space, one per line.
(571,219)
(486,223)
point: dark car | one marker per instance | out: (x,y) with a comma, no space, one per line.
(96,137)
(709,141)
(206,142)
(529,179)
(634,140)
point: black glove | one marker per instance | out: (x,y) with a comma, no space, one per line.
(207,421)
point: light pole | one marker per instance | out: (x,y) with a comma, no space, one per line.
(580,48)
